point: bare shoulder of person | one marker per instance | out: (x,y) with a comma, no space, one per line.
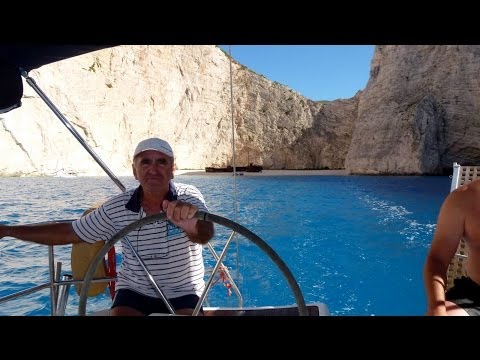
(464,199)
(459,197)
(465,188)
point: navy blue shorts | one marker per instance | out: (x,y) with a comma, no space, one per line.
(466,294)
(148,305)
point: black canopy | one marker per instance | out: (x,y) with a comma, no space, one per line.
(15,58)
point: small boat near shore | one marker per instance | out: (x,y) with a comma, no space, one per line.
(249,168)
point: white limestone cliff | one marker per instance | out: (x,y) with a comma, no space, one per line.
(417,115)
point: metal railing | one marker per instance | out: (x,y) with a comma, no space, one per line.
(60,284)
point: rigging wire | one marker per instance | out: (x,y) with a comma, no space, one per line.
(235,201)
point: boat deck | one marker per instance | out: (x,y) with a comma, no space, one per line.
(314,309)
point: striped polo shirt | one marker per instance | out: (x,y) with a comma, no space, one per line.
(174,261)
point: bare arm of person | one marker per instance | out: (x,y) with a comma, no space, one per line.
(46,234)
(449,231)
(182,215)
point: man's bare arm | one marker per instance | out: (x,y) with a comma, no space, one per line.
(449,231)
(46,234)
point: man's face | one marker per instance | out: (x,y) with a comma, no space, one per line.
(153,169)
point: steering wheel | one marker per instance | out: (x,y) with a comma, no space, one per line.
(300,301)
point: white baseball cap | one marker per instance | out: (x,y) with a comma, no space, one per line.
(154,144)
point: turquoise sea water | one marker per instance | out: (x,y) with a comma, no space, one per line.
(356,243)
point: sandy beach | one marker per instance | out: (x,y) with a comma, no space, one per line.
(264,172)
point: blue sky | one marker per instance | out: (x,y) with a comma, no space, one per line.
(318,72)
